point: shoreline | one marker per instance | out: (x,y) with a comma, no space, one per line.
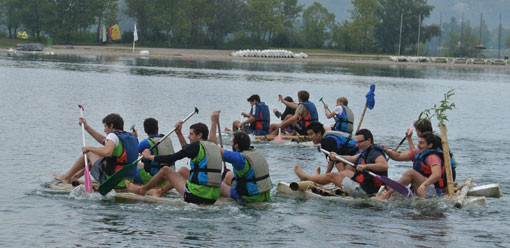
(225,55)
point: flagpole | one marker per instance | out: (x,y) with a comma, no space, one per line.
(135,37)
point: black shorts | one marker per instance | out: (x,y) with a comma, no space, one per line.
(191,198)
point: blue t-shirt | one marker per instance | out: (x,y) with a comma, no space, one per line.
(144,144)
(238,162)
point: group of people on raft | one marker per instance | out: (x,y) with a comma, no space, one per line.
(206,179)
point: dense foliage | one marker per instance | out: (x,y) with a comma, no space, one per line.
(374,26)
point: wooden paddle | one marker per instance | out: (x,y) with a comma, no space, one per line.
(390,183)
(225,169)
(370,103)
(88,184)
(118,176)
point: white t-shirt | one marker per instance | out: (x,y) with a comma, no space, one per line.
(338,110)
(113,137)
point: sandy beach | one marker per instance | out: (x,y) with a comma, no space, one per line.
(225,55)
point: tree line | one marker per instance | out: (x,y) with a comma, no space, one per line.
(374,27)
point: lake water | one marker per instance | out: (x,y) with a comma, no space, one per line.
(39,97)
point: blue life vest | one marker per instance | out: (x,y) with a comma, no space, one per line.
(344,121)
(420,165)
(344,145)
(129,154)
(254,178)
(369,183)
(263,118)
(312,115)
(205,168)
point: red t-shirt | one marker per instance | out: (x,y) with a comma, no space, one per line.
(433,159)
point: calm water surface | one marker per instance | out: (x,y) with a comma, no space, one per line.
(39,97)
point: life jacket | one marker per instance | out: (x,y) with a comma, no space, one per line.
(369,183)
(253,179)
(344,143)
(124,153)
(262,120)
(344,121)
(420,165)
(311,116)
(205,168)
(164,148)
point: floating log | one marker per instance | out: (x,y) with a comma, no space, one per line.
(303,185)
(489,190)
(297,138)
(480,200)
(461,199)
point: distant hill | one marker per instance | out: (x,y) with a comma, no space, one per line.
(449,8)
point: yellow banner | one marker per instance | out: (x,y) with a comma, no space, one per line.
(115,32)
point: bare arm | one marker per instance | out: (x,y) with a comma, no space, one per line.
(380,165)
(397,156)
(214,123)
(105,151)
(291,105)
(249,120)
(178,132)
(97,136)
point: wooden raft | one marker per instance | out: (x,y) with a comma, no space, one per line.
(296,138)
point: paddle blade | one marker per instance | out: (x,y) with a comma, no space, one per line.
(81,107)
(403,190)
(371,97)
(88,183)
(279,138)
(116,178)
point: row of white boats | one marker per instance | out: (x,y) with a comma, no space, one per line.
(473,61)
(269,53)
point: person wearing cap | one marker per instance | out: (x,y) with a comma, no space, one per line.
(258,118)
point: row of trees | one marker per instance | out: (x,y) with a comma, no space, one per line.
(65,20)
(374,26)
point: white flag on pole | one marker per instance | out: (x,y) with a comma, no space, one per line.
(135,35)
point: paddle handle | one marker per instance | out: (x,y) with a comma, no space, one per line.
(323,103)
(173,130)
(88,183)
(362,116)
(339,158)
(396,148)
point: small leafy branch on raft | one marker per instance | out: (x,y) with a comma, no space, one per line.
(439,111)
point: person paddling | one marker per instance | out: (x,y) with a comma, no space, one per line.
(306,113)
(428,176)
(249,181)
(355,182)
(201,183)
(344,118)
(120,148)
(422,126)
(332,142)
(258,118)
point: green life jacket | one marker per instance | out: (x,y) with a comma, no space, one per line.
(205,168)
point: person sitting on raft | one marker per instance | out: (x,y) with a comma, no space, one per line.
(422,126)
(150,168)
(428,175)
(344,118)
(249,181)
(355,182)
(201,183)
(120,148)
(332,141)
(306,113)
(287,113)
(258,119)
